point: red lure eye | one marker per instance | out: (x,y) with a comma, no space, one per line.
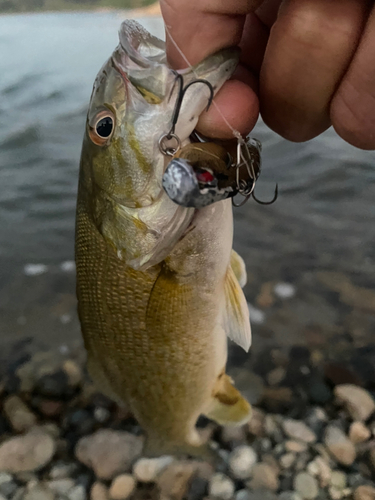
(205,177)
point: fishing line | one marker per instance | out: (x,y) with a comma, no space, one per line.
(235,132)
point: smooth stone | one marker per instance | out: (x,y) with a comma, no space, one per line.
(287,460)
(320,468)
(61,486)
(255,495)
(339,445)
(338,479)
(5,478)
(276,376)
(357,401)
(296,429)
(306,485)
(2,497)
(78,492)
(8,488)
(62,470)
(39,491)
(99,492)
(174,480)
(364,493)
(295,446)
(221,487)
(109,452)
(73,372)
(256,424)
(147,470)
(122,487)
(285,290)
(264,476)
(19,415)
(53,385)
(359,433)
(29,452)
(241,461)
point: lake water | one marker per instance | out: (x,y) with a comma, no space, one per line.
(324,219)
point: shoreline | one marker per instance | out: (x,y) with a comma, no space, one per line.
(152,10)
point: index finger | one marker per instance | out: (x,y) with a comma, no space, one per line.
(199,28)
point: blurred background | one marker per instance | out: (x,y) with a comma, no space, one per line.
(310,256)
(311,273)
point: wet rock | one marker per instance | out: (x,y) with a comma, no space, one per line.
(26,453)
(174,481)
(276,376)
(320,468)
(73,372)
(306,486)
(221,487)
(61,486)
(316,418)
(78,492)
(99,492)
(264,476)
(357,401)
(297,429)
(338,480)
(19,415)
(8,487)
(62,470)
(255,495)
(364,493)
(233,435)
(339,445)
(102,415)
(147,470)
(256,424)
(287,460)
(242,461)
(109,452)
(122,487)
(359,433)
(53,385)
(295,446)
(38,491)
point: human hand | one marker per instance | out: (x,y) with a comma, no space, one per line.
(306,64)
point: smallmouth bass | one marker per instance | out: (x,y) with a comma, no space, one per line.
(158,285)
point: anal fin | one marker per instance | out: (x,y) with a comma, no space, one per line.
(228,406)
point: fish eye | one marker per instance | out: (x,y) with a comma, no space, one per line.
(103,129)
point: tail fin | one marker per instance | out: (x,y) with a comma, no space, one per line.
(228,406)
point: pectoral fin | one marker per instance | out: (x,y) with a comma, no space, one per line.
(228,406)
(238,265)
(236,321)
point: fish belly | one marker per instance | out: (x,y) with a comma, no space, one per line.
(152,342)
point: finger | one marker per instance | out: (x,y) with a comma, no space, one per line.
(353,107)
(310,47)
(235,104)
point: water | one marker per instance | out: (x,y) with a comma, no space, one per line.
(324,218)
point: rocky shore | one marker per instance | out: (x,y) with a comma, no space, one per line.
(312,436)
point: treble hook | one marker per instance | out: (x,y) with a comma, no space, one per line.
(267,202)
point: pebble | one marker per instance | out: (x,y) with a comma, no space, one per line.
(306,485)
(359,433)
(122,487)
(78,492)
(295,446)
(61,486)
(276,375)
(109,452)
(357,401)
(339,445)
(73,372)
(147,470)
(233,435)
(256,423)
(174,481)
(38,491)
(284,290)
(26,453)
(297,429)
(2,497)
(99,492)
(257,317)
(34,269)
(338,480)
(320,468)
(264,476)
(364,493)
(221,487)
(287,460)
(241,461)
(19,415)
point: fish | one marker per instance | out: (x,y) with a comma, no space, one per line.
(206,172)
(158,284)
